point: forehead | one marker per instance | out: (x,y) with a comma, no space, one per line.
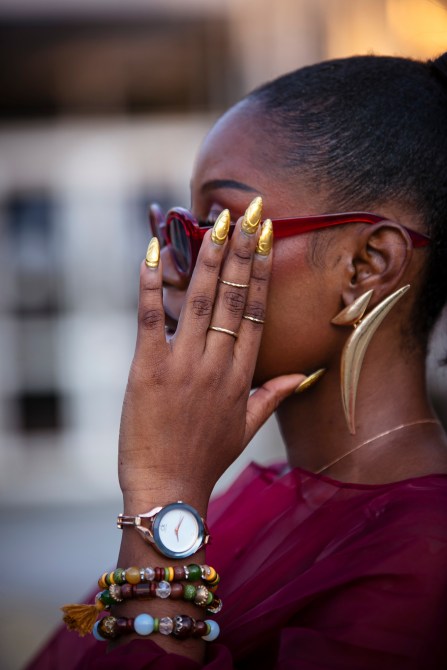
(236,144)
(243,154)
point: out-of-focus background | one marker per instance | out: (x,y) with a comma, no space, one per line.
(102,106)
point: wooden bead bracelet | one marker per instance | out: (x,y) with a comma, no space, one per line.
(134,575)
(133,582)
(200,595)
(180,627)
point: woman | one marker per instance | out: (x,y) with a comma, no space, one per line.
(337,559)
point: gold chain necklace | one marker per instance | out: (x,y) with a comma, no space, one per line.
(372,439)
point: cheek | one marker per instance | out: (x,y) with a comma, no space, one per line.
(296,329)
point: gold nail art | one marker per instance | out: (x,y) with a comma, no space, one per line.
(252,216)
(265,241)
(153,253)
(310,380)
(221,227)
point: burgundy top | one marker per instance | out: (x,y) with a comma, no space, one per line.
(315,574)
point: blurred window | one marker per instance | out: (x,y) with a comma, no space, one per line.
(125,65)
(38,411)
(29,257)
(31,276)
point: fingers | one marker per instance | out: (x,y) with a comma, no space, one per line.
(264,401)
(253,318)
(151,339)
(201,295)
(235,278)
(218,290)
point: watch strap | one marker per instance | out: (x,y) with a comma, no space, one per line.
(135,520)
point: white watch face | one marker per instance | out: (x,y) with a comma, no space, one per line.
(178,530)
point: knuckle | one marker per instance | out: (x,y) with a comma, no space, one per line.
(259,279)
(242,256)
(234,301)
(150,318)
(255,309)
(201,305)
(210,263)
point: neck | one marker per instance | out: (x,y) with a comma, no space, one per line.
(385,401)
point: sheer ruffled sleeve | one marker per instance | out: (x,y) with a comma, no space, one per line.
(357,579)
(316,574)
(385,605)
(146,655)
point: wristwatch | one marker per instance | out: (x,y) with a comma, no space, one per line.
(176,530)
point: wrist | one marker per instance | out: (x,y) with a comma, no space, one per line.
(176,530)
(139,501)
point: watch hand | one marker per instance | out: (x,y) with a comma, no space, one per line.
(176,530)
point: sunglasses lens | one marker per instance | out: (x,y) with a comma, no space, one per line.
(180,245)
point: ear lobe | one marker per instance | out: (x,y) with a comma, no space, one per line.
(381,254)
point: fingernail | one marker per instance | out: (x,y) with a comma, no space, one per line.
(153,253)
(221,227)
(265,241)
(252,216)
(310,380)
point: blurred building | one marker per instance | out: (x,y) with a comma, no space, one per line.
(102,108)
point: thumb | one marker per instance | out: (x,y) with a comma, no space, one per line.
(263,402)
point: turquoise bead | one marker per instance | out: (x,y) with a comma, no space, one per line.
(96,635)
(214,631)
(143,624)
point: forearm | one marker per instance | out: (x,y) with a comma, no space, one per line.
(135,552)
(188,413)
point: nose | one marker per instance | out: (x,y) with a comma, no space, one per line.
(174,289)
(171,276)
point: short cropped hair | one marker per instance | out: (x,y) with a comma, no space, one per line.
(372,130)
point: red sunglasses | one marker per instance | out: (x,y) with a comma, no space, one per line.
(183,233)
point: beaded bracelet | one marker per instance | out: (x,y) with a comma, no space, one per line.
(133,575)
(200,595)
(81,618)
(180,627)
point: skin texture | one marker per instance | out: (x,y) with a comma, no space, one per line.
(180,431)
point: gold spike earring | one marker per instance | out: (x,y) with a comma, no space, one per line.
(357,344)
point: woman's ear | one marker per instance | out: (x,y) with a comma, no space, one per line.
(380,256)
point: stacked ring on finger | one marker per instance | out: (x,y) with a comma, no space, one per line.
(252,318)
(217,329)
(232,283)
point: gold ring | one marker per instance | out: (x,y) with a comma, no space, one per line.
(224,330)
(252,318)
(232,283)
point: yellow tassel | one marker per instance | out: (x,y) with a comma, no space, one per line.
(81,618)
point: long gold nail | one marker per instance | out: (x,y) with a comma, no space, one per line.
(252,216)
(310,380)
(153,253)
(265,241)
(221,227)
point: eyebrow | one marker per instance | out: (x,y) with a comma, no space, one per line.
(215,184)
